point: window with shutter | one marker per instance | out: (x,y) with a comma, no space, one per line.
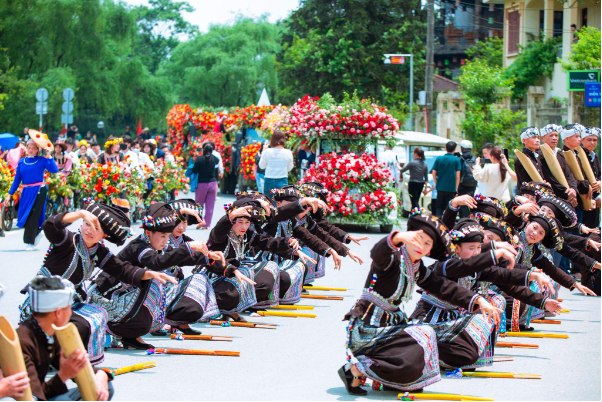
(513,31)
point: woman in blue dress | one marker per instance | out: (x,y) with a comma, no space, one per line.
(30,174)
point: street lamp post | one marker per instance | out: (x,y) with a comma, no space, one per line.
(400,59)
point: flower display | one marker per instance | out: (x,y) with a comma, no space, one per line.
(277,119)
(247,160)
(313,118)
(357,184)
(103,182)
(56,183)
(168,177)
(7,174)
(227,159)
(252,116)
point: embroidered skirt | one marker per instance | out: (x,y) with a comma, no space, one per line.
(291,281)
(267,288)
(232,295)
(404,357)
(311,268)
(192,300)
(91,322)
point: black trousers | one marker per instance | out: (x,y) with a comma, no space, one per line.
(443,198)
(415,189)
(32,225)
(464,212)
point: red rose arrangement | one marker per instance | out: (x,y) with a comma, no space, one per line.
(252,116)
(357,184)
(247,160)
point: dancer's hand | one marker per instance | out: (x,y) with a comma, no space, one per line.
(528,208)
(190,211)
(102,385)
(357,239)
(584,289)
(586,230)
(503,253)
(89,218)
(266,206)
(597,266)
(336,258)
(304,257)
(411,237)
(294,243)
(543,281)
(162,277)
(505,246)
(240,212)
(593,244)
(465,200)
(14,386)
(488,311)
(198,246)
(217,256)
(71,366)
(355,257)
(243,278)
(553,306)
(314,203)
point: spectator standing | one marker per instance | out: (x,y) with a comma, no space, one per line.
(495,175)
(446,175)
(88,136)
(277,162)
(418,176)
(220,164)
(389,158)
(468,184)
(25,136)
(206,191)
(259,172)
(94,151)
(168,155)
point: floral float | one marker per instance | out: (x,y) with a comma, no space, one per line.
(357,184)
(247,160)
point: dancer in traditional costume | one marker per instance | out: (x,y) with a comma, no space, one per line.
(74,256)
(30,174)
(134,312)
(245,282)
(382,342)
(52,298)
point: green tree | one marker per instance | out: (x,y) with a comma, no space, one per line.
(160,28)
(491,51)
(484,86)
(585,54)
(228,66)
(338,47)
(535,61)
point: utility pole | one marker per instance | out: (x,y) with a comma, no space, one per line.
(430,64)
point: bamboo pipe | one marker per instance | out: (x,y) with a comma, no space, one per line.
(291,307)
(587,168)
(554,165)
(545,322)
(71,341)
(571,160)
(500,344)
(565,310)
(528,165)
(285,314)
(440,397)
(534,335)
(193,352)
(502,375)
(11,355)
(322,297)
(324,288)
(204,337)
(129,369)
(244,324)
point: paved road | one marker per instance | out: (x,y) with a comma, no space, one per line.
(299,360)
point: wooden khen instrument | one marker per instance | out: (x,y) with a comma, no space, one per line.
(571,160)
(71,341)
(11,355)
(529,167)
(554,165)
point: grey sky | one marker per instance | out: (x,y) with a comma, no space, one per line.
(222,11)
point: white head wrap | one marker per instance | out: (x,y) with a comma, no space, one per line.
(550,128)
(46,301)
(529,132)
(592,131)
(575,129)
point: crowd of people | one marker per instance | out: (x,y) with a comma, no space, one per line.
(495,269)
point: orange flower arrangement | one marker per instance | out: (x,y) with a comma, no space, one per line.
(247,160)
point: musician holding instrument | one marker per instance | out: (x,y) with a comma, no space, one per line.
(589,143)
(571,138)
(51,299)
(530,138)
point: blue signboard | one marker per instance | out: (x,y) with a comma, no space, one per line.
(593,93)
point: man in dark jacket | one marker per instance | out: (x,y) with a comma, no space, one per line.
(468,183)
(530,139)
(550,135)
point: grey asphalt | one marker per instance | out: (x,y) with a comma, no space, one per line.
(299,359)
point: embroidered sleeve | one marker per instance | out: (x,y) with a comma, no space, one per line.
(472,306)
(146,250)
(189,249)
(104,260)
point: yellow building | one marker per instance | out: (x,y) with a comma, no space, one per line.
(524,19)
